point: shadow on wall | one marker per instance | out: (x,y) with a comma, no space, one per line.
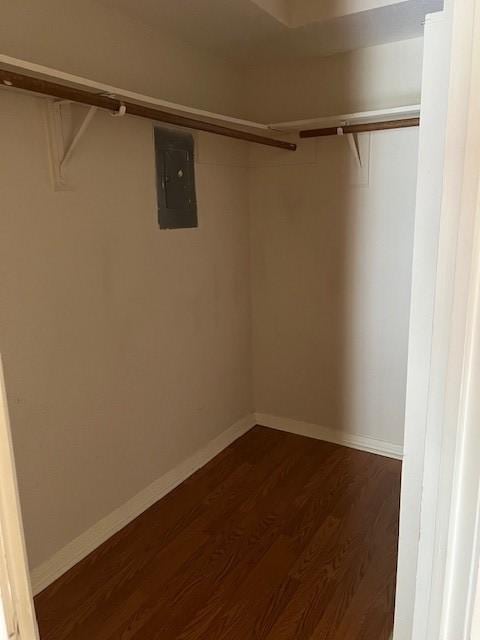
(331,270)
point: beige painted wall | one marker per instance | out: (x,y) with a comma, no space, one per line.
(103,399)
(332,245)
(378,77)
(98,42)
(331,277)
(126,348)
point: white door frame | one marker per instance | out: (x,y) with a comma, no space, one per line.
(455,568)
(438,536)
(17,613)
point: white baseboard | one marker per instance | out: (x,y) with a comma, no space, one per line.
(364,443)
(85,543)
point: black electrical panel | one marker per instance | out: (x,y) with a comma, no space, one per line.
(177,205)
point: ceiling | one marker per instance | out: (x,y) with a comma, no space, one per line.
(246,31)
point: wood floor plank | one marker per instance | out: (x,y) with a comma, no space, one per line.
(279,537)
(151,568)
(238,542)
(365,584)
(327,560)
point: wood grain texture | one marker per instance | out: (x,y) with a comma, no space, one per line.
(280,537)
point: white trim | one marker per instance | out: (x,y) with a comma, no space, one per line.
(85,543)
(425,362)
(15,64)
(352,440)
(456,498)
(16,594)
(408,111)
(18,65)
(88,541)
(463,551)
(442,441)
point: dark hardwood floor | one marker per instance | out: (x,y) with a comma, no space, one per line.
(279,537)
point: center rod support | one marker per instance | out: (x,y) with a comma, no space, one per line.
(64,92)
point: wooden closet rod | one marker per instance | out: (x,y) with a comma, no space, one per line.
(360,128)
(64,92)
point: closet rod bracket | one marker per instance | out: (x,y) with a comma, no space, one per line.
(352,139)
(60,152)
(355,148)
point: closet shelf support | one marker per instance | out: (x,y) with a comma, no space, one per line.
(60,153)
(78,135)
(353,143)
(355,147)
